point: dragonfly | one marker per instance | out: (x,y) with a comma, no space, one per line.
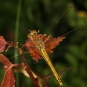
(40,41)
(41,45)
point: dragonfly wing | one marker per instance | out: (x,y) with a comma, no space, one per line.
(51,43)
(33,50)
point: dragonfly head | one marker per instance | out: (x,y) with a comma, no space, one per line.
(32,33)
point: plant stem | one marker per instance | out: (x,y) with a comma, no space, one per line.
(16,37)
(28,69)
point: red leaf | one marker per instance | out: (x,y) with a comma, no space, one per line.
(2,43)
(49,44)
(8,79)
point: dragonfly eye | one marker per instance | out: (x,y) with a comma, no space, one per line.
(34,32)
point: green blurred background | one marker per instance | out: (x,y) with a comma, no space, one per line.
(40,15)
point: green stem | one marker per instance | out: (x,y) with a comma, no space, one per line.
(16,38)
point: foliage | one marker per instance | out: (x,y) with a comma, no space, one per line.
(39,15)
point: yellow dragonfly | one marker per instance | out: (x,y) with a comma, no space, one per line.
(39,42)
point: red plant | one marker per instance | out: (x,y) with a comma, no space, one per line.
(2,44)
(8,79)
